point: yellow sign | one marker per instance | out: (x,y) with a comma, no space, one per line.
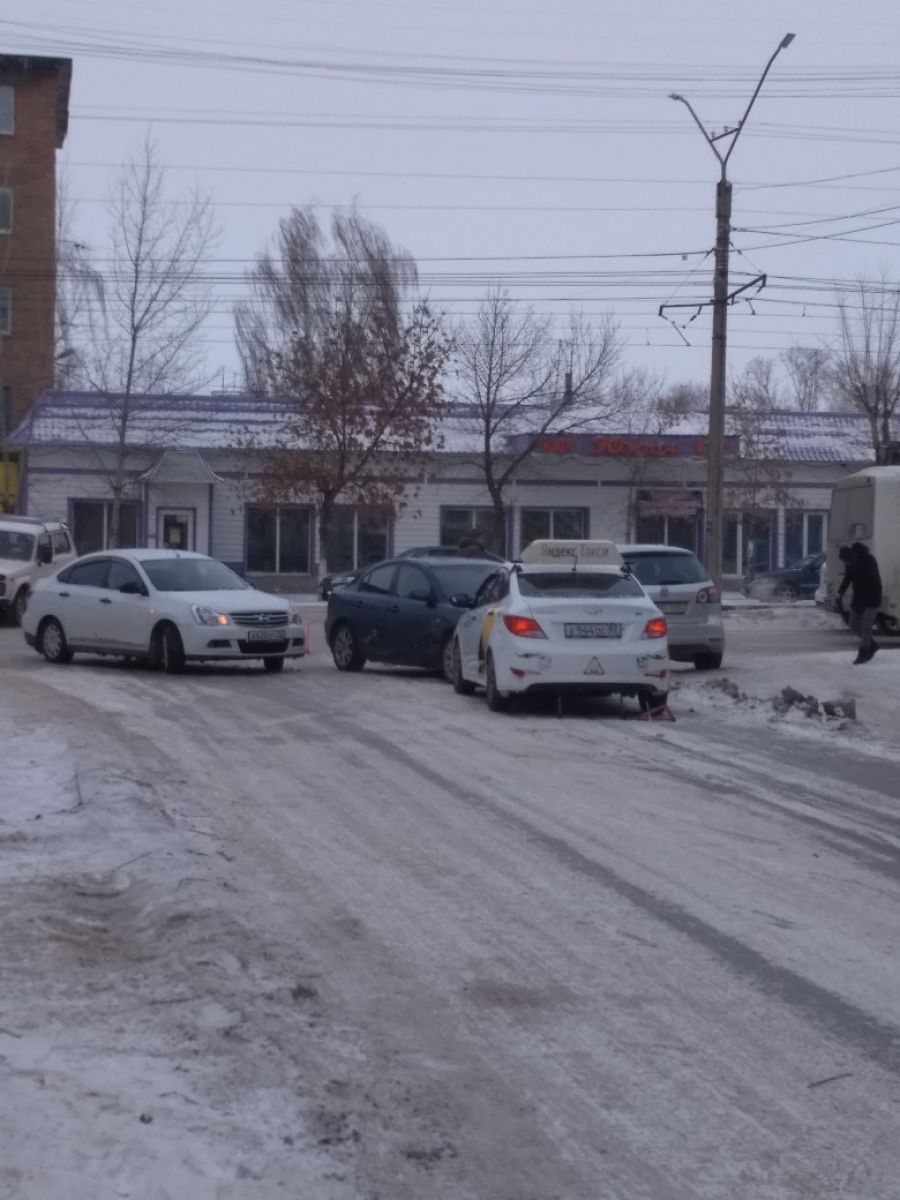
(9,485)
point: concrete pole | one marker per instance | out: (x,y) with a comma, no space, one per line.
(715,487)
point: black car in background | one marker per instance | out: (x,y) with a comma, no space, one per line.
(345,578)
(799,581)
(403,611)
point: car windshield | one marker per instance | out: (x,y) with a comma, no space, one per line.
(666,570)
(191,575)
(575,585)
(464,579)
(16,547)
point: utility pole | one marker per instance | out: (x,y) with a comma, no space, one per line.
(715,471)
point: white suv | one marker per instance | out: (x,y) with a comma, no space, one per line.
(29,550)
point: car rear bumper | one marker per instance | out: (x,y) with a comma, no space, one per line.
(589,667)
(689,637)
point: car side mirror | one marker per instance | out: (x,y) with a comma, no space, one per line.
(461,600)
(44,553)
(421,594)
(133,589)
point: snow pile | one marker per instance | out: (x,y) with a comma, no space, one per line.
(817,692)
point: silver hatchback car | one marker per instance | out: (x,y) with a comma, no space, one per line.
(679,586)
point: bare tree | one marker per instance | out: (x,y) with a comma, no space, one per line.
(866,368)
(79,285)
(338,333)
(809,374)
(680,399)
(143,338)
(757,386)
(521,384)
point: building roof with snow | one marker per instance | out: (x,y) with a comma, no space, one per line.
(233,422)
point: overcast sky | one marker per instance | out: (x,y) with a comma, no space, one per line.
(528,144)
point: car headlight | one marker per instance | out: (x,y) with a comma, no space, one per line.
(296,617)
(208,616)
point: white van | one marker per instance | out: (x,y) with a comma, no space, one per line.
(865,507)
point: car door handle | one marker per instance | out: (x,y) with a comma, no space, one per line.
(395,608)
(66,594)
(105,600)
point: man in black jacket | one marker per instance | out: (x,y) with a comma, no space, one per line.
(862,574)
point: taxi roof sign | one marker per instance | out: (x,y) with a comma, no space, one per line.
(552,552)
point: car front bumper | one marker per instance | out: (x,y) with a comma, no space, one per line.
(220,642)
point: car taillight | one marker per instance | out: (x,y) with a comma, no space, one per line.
(656,627)
(523,627)
(708,595)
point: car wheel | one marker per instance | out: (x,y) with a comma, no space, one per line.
(496,701)
(345,649)
(461,685)
(171,650)
(273,664)
(889,626)
(447,658)
(18,606)
(786,592)
(52,642)
(707,662)
(649,701)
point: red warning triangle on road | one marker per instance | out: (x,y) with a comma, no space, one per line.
(593,667)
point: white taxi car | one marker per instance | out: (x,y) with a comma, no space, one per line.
(165,606)
(570,618)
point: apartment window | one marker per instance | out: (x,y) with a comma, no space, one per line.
(357,538)
(559,523)
(92,524)
(457,522)
(278,540)
(6,210)
(7,108)
(5,310)
(6,413)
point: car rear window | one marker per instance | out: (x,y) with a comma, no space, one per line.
(464,579)
(572,585)
(666,570)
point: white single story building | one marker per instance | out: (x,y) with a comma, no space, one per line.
(191,485)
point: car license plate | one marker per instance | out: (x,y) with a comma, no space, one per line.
(674,608)
(592,631)
(265,635)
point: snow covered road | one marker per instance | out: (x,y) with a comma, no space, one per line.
(317,936)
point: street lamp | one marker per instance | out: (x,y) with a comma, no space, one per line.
(715,472)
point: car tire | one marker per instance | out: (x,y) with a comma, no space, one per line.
(786,592)
(496,701)
(18,606)
(345,649)
(51,642)
(649,701)
(273,664)
(889,626)
(461,685)
(707,662)
(169,651)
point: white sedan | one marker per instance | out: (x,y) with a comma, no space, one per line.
(570,618)
(164,606)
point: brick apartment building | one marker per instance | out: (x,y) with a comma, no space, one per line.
(34,115)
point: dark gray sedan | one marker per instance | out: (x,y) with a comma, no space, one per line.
(403,611)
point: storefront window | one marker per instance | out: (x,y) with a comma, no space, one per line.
(562,523)
(357,538)
(457,522)
(278,540)
(804,534)
(92,525)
